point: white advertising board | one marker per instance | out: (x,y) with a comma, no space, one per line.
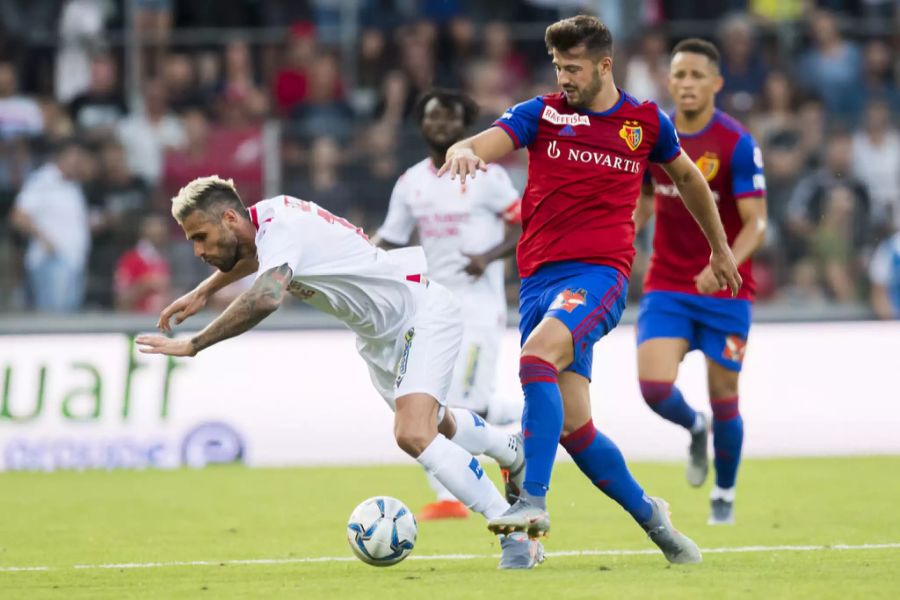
(304,398)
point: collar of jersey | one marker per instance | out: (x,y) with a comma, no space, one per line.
(704,129)
(605,113)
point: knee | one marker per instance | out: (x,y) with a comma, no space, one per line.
(412,440)
(655,392)
(535,369)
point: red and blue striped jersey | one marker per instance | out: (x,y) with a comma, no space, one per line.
(584,176)
(732,164)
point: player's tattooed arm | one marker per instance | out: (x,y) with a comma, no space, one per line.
(248,309)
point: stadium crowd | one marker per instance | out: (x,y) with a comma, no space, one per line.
(86,171)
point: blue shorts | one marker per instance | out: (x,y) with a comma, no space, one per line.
(718,327)
(588,299)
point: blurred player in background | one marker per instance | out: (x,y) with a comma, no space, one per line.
(464,232)
(683,308)
(408,329)
(588,148)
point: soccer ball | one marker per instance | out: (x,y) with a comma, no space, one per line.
(381,531)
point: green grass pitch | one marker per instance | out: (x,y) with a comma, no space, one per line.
(196,523)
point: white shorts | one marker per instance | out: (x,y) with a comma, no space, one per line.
(421,360)
(475,374)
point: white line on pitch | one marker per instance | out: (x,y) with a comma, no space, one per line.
(556,554)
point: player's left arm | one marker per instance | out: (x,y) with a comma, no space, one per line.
(478,263)
(243,314)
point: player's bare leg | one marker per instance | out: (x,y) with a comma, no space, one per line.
(547,350)
(601,461)
(658,361)
(728,437)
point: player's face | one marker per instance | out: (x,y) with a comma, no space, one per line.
(693,82)
(442,125)
(214,240)
(579,75)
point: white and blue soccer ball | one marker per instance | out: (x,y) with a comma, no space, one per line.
(381,531)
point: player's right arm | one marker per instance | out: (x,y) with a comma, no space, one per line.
(399,223)
(644,209)
(195,300)
(243,314)
(516,128)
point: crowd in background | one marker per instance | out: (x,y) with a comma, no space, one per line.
(87,170)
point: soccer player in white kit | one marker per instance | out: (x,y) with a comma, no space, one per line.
(464,230)
(408,330)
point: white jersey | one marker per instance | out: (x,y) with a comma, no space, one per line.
(453,220)
(336,269)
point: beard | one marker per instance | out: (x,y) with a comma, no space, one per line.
(440,148)
(587,94)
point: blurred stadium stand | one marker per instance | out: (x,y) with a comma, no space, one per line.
(312,98)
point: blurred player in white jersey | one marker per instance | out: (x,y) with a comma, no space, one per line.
(408,330)
(464,230)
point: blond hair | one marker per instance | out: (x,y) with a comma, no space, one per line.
(202,193)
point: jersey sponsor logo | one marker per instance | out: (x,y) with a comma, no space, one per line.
(569,300)
(708,165)
(759,182)
(735,347)
(632,133)
(598,158)
(567,131)
(552,150)
(404,359)
(553,115)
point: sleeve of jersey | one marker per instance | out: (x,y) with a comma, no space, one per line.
(747,178)
(399,223)
(278,246)
(521,121)
(667,146)
(504,197)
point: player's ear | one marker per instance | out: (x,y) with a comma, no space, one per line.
(719,82)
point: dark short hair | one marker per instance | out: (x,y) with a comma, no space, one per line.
(699,46)
(580,30)
(446,98)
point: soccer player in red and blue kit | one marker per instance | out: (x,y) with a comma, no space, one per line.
(683,308)
(588,148)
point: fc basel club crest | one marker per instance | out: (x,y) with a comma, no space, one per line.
(632,133)
(735,346)
(708,165)
(569,300)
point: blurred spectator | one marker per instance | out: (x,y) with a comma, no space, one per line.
(379,173)
(486,86)
(812,123)
(803,288)
(180,82)
(884,276)
(148,133)
(647,71)
(812,199)
(80,27)
(324,184)
(742,67)
(239,87)
(831,67)
(116,200)
(877,77)
(777,112)
(832,244)
(52,211)
(325,112)
(153,20)
(499,50)
(97,111)
(876,162)
(372,66)
(291,84)
(142,276)
(455,49)
(21,121)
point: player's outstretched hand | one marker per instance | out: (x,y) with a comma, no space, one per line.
(462,162)
(181,309)
(160,344)
(477,265)
(724,268)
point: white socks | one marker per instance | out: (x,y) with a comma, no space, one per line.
(479,437)
(718,493)
(460,472)
(442,492)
